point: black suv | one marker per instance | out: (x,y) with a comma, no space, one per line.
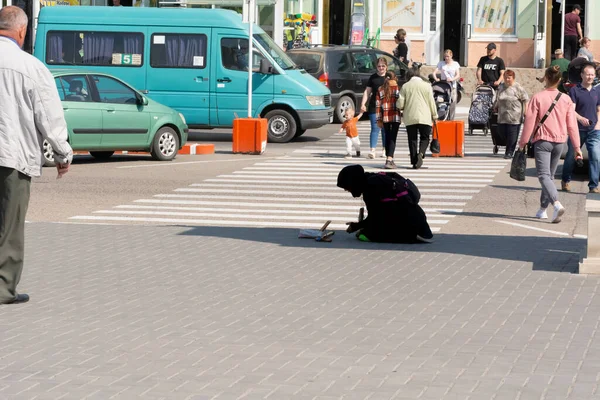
(345,70)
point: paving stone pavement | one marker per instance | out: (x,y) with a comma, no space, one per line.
(167,312)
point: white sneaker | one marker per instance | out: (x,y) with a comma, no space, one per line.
(348,155)
(371,155)
(541,214)
(383,154)
(559,210)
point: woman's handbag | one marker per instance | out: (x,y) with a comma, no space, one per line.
(518,165)
(435,143)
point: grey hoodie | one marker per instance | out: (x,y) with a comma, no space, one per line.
(30,111)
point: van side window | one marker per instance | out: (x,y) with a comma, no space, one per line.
(124,49)
(234,55)
(170,50)
(364,63)
(112,91)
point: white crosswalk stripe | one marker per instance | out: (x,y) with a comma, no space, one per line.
(299,191)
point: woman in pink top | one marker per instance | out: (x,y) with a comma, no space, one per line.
(549,140)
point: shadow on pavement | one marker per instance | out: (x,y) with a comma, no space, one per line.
(546,253)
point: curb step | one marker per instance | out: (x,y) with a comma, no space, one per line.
(190,148)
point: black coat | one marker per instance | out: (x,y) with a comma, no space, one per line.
(390,218)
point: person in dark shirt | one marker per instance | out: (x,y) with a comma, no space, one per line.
(573,32)
(587,107)
(393,212)
(401,51)
(373,85)
(490,68)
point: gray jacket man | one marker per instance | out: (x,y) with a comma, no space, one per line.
(31,112)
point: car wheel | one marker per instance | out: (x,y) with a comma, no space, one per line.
(101,155)
(281,126)
(342,105)
(48,154)
(165,144)
(299,132)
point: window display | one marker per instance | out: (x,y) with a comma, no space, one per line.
(494,17)
(407,14)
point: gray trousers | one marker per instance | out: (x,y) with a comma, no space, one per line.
(547,156)
(14,199)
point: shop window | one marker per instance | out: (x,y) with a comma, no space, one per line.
(178,51)
(496,18)
(402,14)
(124,49)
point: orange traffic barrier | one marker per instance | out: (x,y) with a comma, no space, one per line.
(451,135)
(197,148)
(249,135)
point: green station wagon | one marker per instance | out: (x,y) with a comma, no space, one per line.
(104,114)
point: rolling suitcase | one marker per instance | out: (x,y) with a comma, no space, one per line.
(497,137)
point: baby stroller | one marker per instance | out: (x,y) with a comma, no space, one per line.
(480,112)
(442,93)
(573,74)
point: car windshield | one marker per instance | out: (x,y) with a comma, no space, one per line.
(274,51)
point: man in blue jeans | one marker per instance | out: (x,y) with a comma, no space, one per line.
(587,111)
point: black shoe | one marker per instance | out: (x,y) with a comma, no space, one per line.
(424,239)
(21,298)
(507,156)
(388,165)
(419,163)
(394,164)
(358,154)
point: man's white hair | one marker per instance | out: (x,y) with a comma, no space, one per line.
(12,18)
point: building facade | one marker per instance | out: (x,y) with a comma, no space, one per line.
(525,31)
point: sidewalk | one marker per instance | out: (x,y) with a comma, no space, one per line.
(125,312)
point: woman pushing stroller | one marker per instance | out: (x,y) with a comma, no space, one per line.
(450,72)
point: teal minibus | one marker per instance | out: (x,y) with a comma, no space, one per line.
(192,60)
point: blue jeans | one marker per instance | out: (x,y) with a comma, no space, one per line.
(592,143)
(375,131)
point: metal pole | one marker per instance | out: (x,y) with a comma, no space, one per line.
(251,7)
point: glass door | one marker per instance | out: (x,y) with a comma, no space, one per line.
(539,35)
(465,33)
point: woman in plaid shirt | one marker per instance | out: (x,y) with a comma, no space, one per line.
(388,115)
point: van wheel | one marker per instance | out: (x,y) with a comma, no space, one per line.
(48,154)
(165,144)
(344,103)
(300,132)
(101,155)
(281,126)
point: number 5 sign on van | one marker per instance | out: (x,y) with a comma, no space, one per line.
(126,59)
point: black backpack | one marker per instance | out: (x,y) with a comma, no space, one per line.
(398,187)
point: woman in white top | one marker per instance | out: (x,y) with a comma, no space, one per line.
(450,72)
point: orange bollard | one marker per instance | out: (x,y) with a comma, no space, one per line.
(451,135)
(249,135)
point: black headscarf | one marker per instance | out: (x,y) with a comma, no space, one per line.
(353,179)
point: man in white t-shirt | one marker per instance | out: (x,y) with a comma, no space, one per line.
(450,72)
